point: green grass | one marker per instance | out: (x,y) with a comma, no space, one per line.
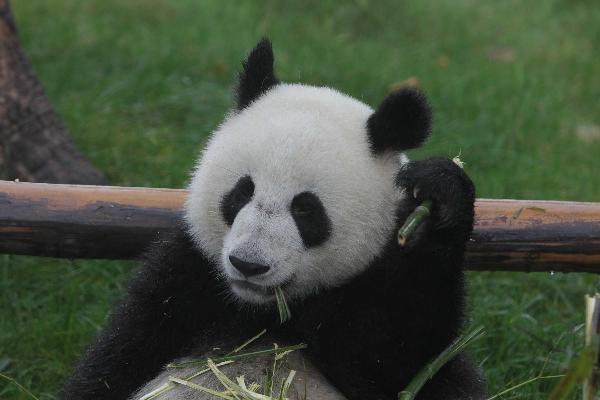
(140,84)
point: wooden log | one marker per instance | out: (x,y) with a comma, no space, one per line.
(117,223)
(530,235)
(80,221)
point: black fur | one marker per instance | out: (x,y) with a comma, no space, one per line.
(372,335)
(237,198)
(402,122)
(369,336)
(257,75)
(311,219)
(171,299)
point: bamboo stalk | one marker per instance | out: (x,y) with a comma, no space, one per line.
(592,341)
(413,221)
(584,368)
(427,372)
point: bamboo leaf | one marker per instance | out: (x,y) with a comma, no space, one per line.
(221,395)
(235,357)
(282,306)
(17,384)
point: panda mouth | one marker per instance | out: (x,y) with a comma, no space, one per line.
(253,287)
(266,291)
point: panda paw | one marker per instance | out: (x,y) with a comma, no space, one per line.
(450,190)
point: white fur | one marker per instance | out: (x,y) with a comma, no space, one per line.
(295,138)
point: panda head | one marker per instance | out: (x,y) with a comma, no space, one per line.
(296,187)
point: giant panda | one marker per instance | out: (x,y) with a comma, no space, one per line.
(302,188)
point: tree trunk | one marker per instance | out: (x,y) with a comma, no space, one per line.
(35,146)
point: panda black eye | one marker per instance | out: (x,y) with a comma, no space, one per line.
(245,190)
(237,198)
(305,204)
(311,219)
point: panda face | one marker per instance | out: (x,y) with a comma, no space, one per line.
(296,187)
(306,208)
(288,193)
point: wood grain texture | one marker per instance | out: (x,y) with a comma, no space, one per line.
(77,221)
(526,235)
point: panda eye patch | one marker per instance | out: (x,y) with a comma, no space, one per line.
(311,219)
(237,198)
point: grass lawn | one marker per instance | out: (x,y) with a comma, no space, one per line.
(141,83)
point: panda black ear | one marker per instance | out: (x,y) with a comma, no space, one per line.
(257,74)
(402,122)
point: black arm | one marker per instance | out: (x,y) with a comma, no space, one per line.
(373,334)
(168,302)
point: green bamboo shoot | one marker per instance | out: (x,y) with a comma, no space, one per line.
(416,218)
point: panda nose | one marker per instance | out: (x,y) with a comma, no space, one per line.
(248,268)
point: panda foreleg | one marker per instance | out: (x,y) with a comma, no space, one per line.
(169,301)
(436,252)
